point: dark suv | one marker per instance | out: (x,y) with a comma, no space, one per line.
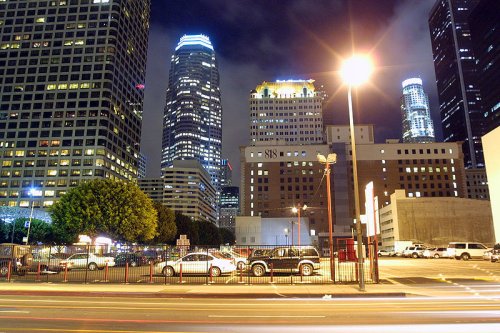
(133,259)
(304,259)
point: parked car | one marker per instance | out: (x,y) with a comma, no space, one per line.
(495,255)
(304,259)
(87,260)
(154,256)
(385,253)
(466,250)
(133,259)
(239,261)
(436,253)
(196,263)
(487,255)
(414,252)
(48,262)
(18,256)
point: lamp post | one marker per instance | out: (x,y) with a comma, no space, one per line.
(31,192)
(330,159)
(296,210)
(356,71)
(286,236)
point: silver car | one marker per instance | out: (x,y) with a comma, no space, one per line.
(196,263)
(436,253)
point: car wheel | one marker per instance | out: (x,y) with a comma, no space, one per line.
(43,268)
(306,269)
(414,255)
(92,266)
(168,271)
(133,264)
(379,255)
(436,256)
(4,270)
(21,272)
(215,271)
(465,256)
(258,270)
(240,265)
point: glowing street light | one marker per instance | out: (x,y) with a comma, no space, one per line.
(330,159)
(31,192)
(355,71)
(296,210)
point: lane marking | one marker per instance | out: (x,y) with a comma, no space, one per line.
(13,311)
(261,316)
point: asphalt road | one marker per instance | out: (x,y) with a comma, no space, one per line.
(131,314)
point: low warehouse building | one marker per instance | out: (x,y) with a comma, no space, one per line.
(435,221)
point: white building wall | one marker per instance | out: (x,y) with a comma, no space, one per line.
(492,162)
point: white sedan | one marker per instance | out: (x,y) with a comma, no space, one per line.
(87,260)
(195,263)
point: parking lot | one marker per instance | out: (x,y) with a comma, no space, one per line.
(392,270)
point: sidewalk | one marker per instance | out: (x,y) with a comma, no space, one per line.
(212,291)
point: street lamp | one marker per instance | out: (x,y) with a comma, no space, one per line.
(330,159)
(355,71)
(296,210)
(286,236)
(31,192)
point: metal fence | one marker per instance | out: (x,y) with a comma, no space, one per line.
(181,265)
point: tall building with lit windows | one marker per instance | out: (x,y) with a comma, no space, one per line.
(417,122)
(192,119)
(72,78)
(288,112)
(460,103)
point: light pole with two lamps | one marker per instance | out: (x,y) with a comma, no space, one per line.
(327,160)
(355,71)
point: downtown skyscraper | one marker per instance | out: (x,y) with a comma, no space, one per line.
(456,77)
(417,122)
(192,119)
(72,78)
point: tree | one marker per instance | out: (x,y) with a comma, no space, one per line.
(166,229)
(227,236)
(186,226)
(117,209)
(40,231)
(209,233)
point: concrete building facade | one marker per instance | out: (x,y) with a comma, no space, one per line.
(435,221)
(415,111)
(72,85)
(256,230)
(274,179)
(186,188)
(477,184)
(286,112)
(492,159)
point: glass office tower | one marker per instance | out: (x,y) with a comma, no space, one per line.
(456,77)
(71,78)
(417,122)
(192,120)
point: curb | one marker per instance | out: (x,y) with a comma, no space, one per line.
(200,295)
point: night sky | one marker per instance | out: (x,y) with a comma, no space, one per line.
(266,40)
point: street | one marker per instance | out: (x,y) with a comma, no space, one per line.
(133,314)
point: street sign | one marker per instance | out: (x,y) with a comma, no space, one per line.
(25,239)
(27,224)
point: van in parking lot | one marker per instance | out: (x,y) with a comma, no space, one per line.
(466,250)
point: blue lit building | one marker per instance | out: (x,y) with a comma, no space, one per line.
(192,119)
(417,122)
